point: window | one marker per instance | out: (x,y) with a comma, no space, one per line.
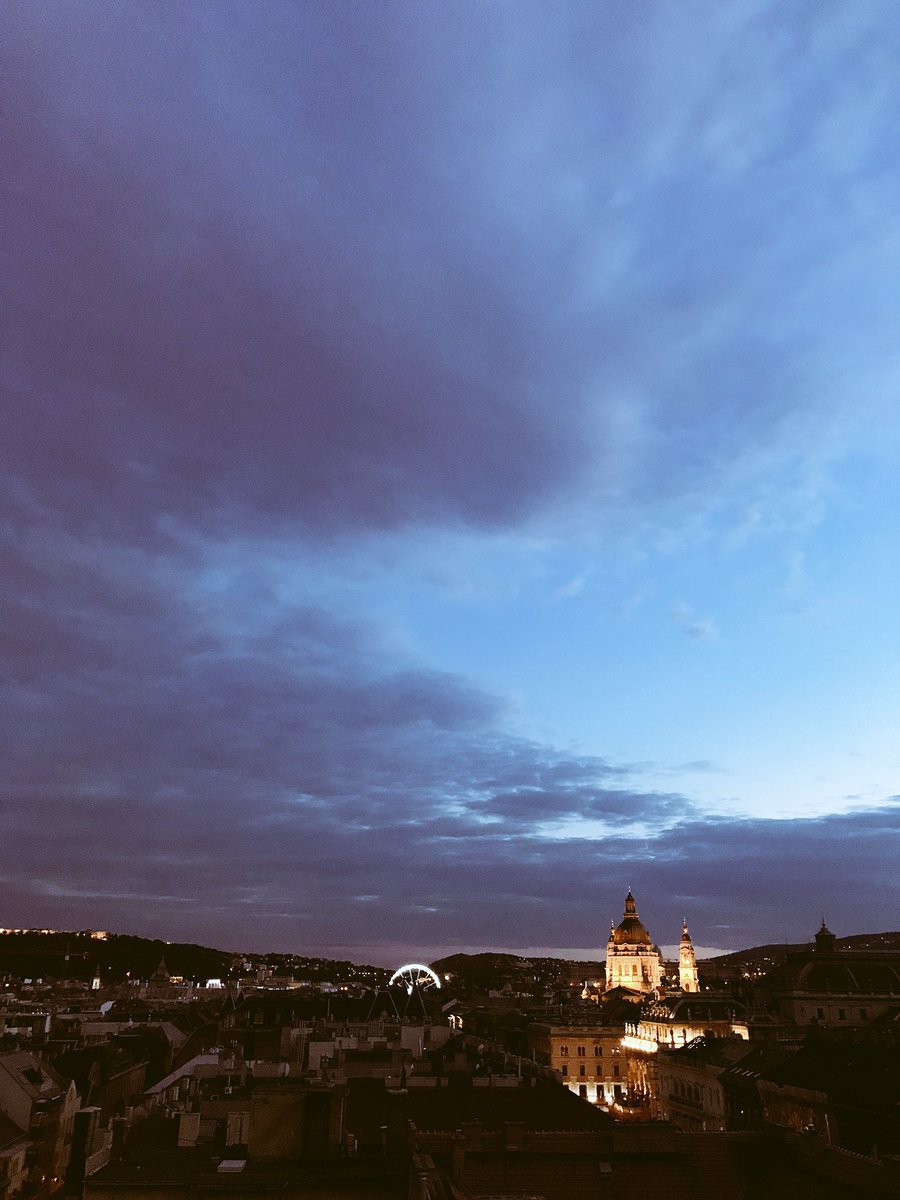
(864,1014)
(582,1070)
(582,1091)
(598,1052)
(842,1014)
(820,1014)
(616,1070)
(564,1051)
(565,1070)
(581,1051)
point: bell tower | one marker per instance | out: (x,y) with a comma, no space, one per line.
(687,963)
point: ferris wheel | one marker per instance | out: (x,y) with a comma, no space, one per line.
(415,977)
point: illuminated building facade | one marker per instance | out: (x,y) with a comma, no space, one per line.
(671,1022)
(687,963)
(588,1056)
(690,1090)
(632,960)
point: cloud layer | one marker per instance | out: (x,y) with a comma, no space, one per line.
(329,287)
(290,786)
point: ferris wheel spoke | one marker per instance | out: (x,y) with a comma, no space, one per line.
(414,977)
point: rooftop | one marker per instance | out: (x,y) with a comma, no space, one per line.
(199,1168)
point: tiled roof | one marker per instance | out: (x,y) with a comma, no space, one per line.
(541,1107)
(716,1052)
(36,1079)
(837,1067)
(10,1133)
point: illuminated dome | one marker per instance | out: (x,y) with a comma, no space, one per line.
(630,931)
(632,961)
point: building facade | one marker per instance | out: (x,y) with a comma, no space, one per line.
(588,1056)
(632,960)
(834,988)
(43,1105)
(688,979)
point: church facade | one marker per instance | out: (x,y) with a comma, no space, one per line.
(634,962)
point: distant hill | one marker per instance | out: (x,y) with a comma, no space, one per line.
(481,971)
(489,971)
(31,954)
(492,971)
(771,952)
(76,955)
(871,941)
(775,953)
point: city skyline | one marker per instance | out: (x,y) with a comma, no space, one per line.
(449,473)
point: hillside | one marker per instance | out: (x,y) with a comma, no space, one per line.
(775,953)
(77,955)
(492,971)
(489,971)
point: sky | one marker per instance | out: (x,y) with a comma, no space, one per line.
(448,472)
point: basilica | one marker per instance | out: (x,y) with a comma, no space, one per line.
(633,961)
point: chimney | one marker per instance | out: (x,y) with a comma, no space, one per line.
(458,1157)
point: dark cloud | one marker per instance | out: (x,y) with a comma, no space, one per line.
(770,880)
(308,272)
(535,804)
(179,348)
(353,269)
(287,766)
(161,764)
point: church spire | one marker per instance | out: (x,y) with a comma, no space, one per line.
(688,980)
